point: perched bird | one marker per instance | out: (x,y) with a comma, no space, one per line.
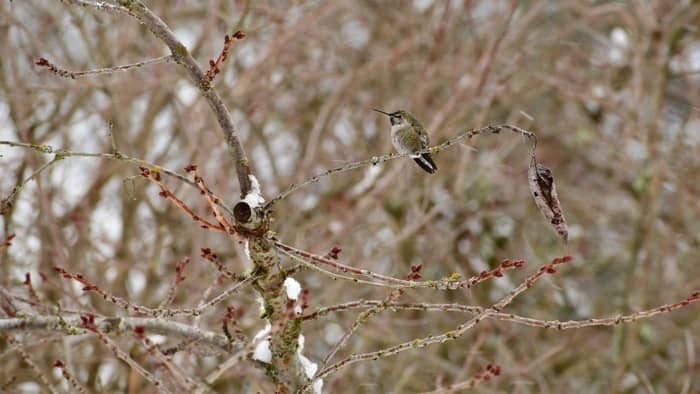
(409,137)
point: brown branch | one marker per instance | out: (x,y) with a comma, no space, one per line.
(176,372)
(154,176)
(179,278)
(211,199)
(493,313)
(556,324)
(19,348)
(88,322)
(7,242)
(75,385)
(89,286)
(30,288)
(213,258)
(214,65)
(363,317)
(157,312)
(481,375)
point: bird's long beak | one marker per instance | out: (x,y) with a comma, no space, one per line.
(382,112)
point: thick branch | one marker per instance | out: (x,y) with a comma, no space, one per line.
(72,324)
(182,56)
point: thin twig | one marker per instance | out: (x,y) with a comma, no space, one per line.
(42,62)
(62,153)
(156,312)
(452,282)
(179,277)
(176,372)
(183,57)
(154,176)
(70,378)
(333,275)
(214,65)
(100,6)
(19,348)
(528,321)
(493,129)
(363,317)
(7,203)
(88,323)
(212,257)
(481,375)
(211,199)
(548,268)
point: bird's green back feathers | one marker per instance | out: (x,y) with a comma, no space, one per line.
(417,127)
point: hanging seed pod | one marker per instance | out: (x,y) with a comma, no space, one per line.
(545,194)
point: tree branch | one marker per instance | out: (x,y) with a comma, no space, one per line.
(493,129)
(72,325)
(182,56)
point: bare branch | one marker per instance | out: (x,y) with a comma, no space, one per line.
(17,345)
(89,324)
(452,282)
(42,62)
(380,159)
(214,65)
(183,57)
(117,325)
(70,378)
(548,268)
(62,153)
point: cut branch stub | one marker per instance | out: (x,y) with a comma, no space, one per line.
(250,220)
(544,192)
(242,212)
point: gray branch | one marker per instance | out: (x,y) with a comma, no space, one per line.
(72,325)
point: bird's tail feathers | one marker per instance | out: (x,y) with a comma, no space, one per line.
(426,163)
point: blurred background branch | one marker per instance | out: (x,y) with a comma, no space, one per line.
(610,88)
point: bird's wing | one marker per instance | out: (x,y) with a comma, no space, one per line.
(423,135)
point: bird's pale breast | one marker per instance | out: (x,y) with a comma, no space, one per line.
(405,139)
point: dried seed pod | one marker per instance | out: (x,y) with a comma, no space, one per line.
(545,194)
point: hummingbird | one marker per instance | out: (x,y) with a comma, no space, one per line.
(409,137)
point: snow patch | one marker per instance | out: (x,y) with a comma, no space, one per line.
(310,367)
(261,301)
(262,350)
(293,288)
(318,386)
(254,198)
(246,249)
